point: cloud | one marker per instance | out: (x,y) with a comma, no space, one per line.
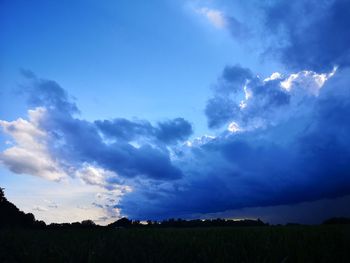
(306,212)
(173,131)
(40,209)
(51,204)
(222,21)
(31,154)
(282,144)
(300,156)
(233,127)
(93,175)
(54,142)
(74,200)
(125,130)
(214,16)
(309,81)
(311,35)
(47,93)
(167,132)
(250,102)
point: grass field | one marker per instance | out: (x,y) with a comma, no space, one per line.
(222,244)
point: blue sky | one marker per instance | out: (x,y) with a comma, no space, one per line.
(174,108)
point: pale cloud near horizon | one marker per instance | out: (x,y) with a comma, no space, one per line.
(75,199)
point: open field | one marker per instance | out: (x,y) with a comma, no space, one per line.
(221,244)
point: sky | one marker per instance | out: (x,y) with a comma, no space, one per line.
(167,109)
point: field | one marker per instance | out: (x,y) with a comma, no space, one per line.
(222,244)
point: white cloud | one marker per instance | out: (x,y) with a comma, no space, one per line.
(309,81)
(105,200)
(214,16)
(233,127)
(275,75)
(247,95)
(199,140)
(287,83)
(30,153)
(94,175)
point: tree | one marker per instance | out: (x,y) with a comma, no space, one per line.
(2,194)
(337,221)
(10,215)
(122,222)
(88,223)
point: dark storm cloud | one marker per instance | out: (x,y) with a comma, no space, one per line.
(220,110)
(47,93)
(311,34)
(168,132)
(233,78)
(173,131)
(75,141)
(306,212)
(302,158)
(240,96)
(124,129)
(301,153)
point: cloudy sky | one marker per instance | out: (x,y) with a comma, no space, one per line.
(163,108)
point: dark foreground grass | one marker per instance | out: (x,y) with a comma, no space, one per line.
(247,244)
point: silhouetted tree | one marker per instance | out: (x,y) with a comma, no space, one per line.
(219,222)
(10,215)
(123,222)
(136,223)
(337,221)
(2,195)
(88,223)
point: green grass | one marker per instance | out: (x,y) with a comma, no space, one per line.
(246,244)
